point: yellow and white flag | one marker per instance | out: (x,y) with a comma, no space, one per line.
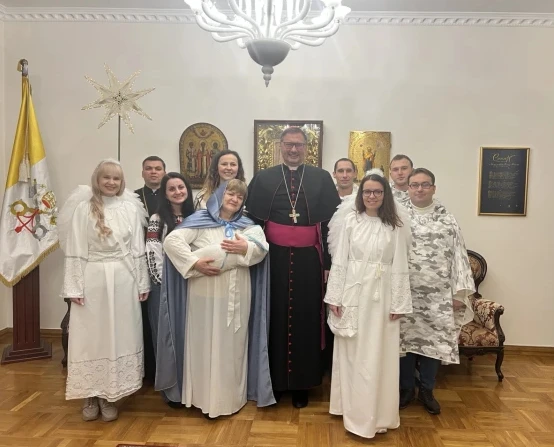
(28,221)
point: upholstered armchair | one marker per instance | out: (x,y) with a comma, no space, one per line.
(484,334)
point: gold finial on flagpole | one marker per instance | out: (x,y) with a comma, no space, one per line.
(23,67)
(24,166)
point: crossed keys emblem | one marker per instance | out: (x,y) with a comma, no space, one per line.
(29,216)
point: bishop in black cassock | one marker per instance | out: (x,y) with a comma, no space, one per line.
(296,272)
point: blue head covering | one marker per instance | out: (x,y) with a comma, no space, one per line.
(173,308)
(210,217)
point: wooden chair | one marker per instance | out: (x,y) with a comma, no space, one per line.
(484,334)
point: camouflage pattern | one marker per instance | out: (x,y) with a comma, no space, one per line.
(399,195)
(439,272)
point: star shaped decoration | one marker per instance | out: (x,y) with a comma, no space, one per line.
(118,98)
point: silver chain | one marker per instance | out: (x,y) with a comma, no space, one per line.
(293,206)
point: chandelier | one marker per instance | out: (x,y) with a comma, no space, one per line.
(269,28)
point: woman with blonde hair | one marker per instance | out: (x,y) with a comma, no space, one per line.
(106,277)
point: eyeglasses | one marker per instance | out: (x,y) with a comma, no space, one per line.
(290,145)
(375,192)
(424,185)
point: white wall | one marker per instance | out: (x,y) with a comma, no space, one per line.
(5,293)
(442,91)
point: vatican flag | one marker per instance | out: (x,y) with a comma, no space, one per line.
(28,221)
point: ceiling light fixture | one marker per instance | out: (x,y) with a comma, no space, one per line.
(268,29)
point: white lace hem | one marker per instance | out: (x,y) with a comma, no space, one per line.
(401,300)
(105,378)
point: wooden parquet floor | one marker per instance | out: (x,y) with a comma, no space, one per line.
(477,411)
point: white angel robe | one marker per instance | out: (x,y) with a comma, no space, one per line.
(105,356)
(439,273)
(216,324)
(369,279)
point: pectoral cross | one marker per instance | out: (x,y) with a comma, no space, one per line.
(294,215)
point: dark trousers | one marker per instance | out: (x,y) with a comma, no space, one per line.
(149,359)
(428,369)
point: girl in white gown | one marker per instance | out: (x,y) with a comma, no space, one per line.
(105,276)
(367,292)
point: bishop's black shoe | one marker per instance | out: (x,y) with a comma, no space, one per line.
(300,398)
(175,404)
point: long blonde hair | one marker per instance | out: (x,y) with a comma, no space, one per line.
(96,204)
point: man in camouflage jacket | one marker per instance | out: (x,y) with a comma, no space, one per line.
(441,283)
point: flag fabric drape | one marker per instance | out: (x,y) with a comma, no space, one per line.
(28,215)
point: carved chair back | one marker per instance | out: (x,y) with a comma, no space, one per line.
(478,269)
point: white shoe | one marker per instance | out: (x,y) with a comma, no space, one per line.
(381,431)
(108,409)
(90,409)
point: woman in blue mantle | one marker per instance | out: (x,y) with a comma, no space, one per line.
(214,312)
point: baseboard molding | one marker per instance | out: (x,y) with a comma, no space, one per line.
(530,349)
(50,333)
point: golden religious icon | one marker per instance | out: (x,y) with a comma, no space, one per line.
(267,147)
(368,150)
(198,145)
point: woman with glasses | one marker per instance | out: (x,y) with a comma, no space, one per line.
(367,292)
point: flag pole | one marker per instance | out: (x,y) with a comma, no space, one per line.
(27,344)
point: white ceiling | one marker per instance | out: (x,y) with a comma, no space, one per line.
(479,6)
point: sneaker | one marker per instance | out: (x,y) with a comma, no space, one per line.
(426,397)
(108,409)
(90,409)
(406,397)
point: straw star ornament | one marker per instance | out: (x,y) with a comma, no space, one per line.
(118,98)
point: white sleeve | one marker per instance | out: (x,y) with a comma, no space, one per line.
(138,251)
(339,266)
(76,253)
(177,248)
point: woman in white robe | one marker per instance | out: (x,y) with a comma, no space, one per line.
(368,290)
(216,263)
(105,276)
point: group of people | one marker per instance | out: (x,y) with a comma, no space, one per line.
(233,286)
